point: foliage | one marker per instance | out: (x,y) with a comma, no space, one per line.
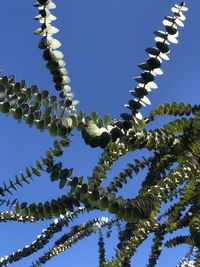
(172,174)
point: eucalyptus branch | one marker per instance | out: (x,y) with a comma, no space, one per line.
(42,239)
(52,55)
(77,233)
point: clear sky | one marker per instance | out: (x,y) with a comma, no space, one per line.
(103,41)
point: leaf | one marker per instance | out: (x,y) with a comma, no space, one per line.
(49,55)
(114,207)
(172,39)
(63,182)
(30,119)
(171,30)
(49,154)
(73,182)
(12,185)
(5,108)
(65,142)
(84,189)
(24,178)
(94,116)
(39,164)
(133,104)
(55,44)
(147,76)
(169,21)
(126,116)
(104,202)
(18,113)
(43,2)
(146,100)
(2,192)
(74,121)
(36,171)
(163,47)
(14,202)
(104,139)
(153,51)
(154,63)
(51,5)
(62,130)
(28,171)
(17,181)
(53,129)
(161,34)
(106,119)
(139,92)
(2,91)
(144,66)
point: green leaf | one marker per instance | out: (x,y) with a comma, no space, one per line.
(49,154)
(2,192)
(17,88)
(65,142)
(80,116)
(5,108)
(62,130)
(154,63)
(74,182)
(12,185)
(30,119)
(17,180)
(14,202)
(45,94)
(24,178)
(66,173)
(34,89)
(53,129)
(94,116)
(39,164)
(84,189)
(104,202)
(57,145)
(41,124)
(63,182)
(57,152)
(106,119)
(114,207)
(28,171)
(74,121)
(36,171)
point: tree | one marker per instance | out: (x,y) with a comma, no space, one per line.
(171,170)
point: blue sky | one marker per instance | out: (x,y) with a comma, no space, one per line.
(103,41)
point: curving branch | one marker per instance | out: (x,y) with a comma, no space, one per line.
(51,54)
(42,239)
(35,107)
(77,233)
(45,164)
(151,68)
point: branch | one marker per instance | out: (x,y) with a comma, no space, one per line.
(42,239)
(51,54)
